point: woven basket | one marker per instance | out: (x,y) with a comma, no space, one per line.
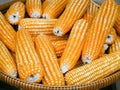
(33,86)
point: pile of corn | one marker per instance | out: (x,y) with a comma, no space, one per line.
(60,42)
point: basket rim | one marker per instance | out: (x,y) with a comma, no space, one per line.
(6,78)
(93,85)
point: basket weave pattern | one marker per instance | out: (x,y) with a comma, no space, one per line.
(33,86)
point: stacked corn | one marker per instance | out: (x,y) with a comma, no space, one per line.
(76,31)
(99,29)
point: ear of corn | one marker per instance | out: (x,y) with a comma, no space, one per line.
(36,26)
(98,31)
(28,63)
(59,46)
(52,75)
(73,11)
(111,36)
(37,23)
(15,13)
(115,46)
(117,22)
(7,64)
(54,8)
(95,70)
(74,46)
(7,33)
(91,12)
(34,8)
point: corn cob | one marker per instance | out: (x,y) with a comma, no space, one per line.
(98,31)
(95,70)
(70,56)
(117,22)
(28,63)
(52,75)
(54,8)
(115,46)
(35,26)
(59,46)
(7,64)
(34,8)
(111,36)
(73,11)
(91,12)
(7,33)
(37,23)
(15,13)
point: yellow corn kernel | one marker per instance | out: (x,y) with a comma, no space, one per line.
(34,8)
(73,12)
(13,56)
(52,37)
(91,12)
(95,70)
(57,38)
(28,63)
(7,33)
(59,46)
(117,22)
(52,75)
(111,36)
(45,3)
(115,46)
(7,64)
(74,46)
(15,13)
(54,8)
(99,30)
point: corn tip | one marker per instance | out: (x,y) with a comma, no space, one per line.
(57,32)
(106,46)
(86,60)
(45,16)
(64,68)
(35,14)
(14,18)
(33,78)
(14,74)
(109,38)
